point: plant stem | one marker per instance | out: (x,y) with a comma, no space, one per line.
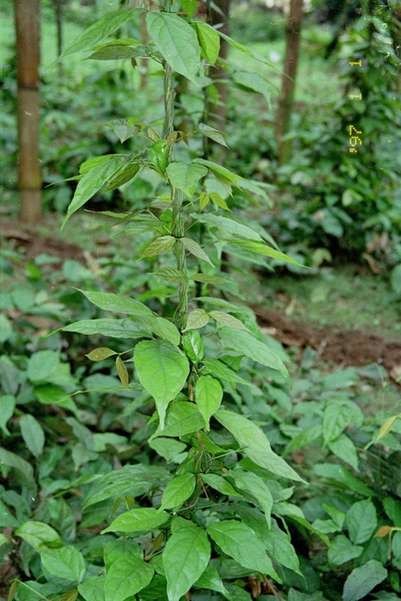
(178,229)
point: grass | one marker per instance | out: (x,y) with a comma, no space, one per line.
(345,296)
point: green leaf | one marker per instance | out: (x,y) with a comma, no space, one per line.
(125,577)
(363,580)
(342,550)
(130,480)
(345,449)
(238,541)
(225,319)
(23,468)
(182,418)
(142,519)
(92,589)
(185,557)
(49,394)
(253,81)
(176,41)
(195,249)
(229,227)
(162,370)
(209,41)
(337,416)
(220,171)
(7,406)
(208,397)
(178,490)
(100,353)
(212,133)
(32,433)
(113,328)
(211,580)
(66,563)
(124,174)
(340,475)
(92,181)
(198,318)
(165,329)
(254,444)
(171,450)
(251,484)
(107,301)
(115,49)
(260,248)
(122,371)
(98,31)
(6,329)
(185,176)
(246,344)
(220,484)
(38,534)
(223,372)
(158,246)
(278,546)
(42,365)
(361,521)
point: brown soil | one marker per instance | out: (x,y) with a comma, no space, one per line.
(343,347)
(32,244)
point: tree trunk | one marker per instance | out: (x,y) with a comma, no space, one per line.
(58,13)
(286,100)
(27,27)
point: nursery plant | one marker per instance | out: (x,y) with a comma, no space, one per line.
(207,505)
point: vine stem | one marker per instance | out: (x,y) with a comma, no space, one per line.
(178,226)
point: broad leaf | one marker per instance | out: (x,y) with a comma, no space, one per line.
(209,41)
(342,550)
(178,490)
(361,521)
(130,480)
(185,176)
(92,181)
(38,534)
(208,397)
(251,484)
(100,353)
(125,577)
(66,563)
(7,406)
(98,31)
(23,469)
(220,484)
(92,589)
(162,370)
(363,580)
(176,41)
(260,248)
(225,319)
(253,81)
(107,301)
(185,557)
(32,433)
(158,246)
(42,365)
(254,444)
(238,541)
(142,519)
(182,418)
(246,344)
(195,249)
(113,328)
(198,318)
(212,133)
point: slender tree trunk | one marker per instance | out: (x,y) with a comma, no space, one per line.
(286,100)
(27,26)
(58,12)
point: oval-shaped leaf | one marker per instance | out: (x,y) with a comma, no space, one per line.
(162,370)
(178,490)
(185,558)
